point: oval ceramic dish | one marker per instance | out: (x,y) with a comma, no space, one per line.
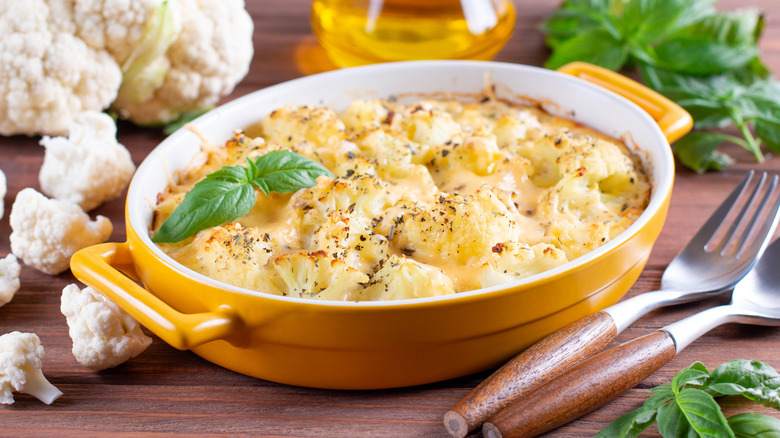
(365,345)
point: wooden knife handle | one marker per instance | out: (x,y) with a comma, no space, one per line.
(583,388)
(537,365)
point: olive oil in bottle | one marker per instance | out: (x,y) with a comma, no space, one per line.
(357,32)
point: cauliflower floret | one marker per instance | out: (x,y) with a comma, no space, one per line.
(349,237)
(362,194)
(511,261)
(103,335)
(10,270)
(400,278)
(90,166)
(429,127)
(455,227)
(231,253)
(316,275)
(365,113)
(45,233)
(516,126)
(205,61)
(48,75)
(3,189)
(20,368)
(314,131)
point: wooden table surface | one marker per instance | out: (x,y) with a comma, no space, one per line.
(167,391)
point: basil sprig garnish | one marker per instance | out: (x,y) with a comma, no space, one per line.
(229,193)
(686,406)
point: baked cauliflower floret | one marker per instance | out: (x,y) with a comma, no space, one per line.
(21,355)
(477,154)
(10,270)
(455,227)
(365,113)
(230,253)
(90,166)
(103,335)
(400,278)
(516,126)
(294,126)
(316,275)
(429,127)
(45,233)
(511,261)
(350,237)
(362,194)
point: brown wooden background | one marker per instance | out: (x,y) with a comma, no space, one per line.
(166,391)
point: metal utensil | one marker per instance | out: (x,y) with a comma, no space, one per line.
(590,384)
(715,259)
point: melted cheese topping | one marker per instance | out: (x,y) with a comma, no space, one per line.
(432,198)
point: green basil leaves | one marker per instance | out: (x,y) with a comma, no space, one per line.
(686,406)
(229,193)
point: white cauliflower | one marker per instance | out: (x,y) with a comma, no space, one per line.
(153,59)
(511,261)
(401,278)
(316,275)
(231,253)
(10,270)
(349,237)
(20,368)
(210,51)
(3,190)
(45,233)
(90,166)
(48,75)
(103,335)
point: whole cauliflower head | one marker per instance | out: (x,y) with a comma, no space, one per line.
(45,233)
(48,75)
(20,368)
(3,190)
(88,167)
(204,62)
(10,270)
(103,335)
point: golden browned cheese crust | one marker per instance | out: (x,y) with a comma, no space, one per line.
(430,198)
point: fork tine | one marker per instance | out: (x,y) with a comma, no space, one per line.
(708,230)
(735,224)
(768,211)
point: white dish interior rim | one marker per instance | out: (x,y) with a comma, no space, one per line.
(660,170)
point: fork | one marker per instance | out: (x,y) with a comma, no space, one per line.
(715,259)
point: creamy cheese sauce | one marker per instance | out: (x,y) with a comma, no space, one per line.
(430,198)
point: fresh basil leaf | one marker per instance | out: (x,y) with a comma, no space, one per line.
(633,423)
(595,46)
(697,151)
(754,426)
(769,133)
(700,56)
(735,28)
(649,21)
(222,196)
(695,374)
(565,23)
(672,422)
(229,193)
(750,378)
(286,171)
(702,413)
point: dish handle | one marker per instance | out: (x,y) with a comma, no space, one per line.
(109,269)
(673,120)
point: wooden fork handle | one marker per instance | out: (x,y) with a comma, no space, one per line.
(537,365)
(583,388)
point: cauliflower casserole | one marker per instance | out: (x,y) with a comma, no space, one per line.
(430,198)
